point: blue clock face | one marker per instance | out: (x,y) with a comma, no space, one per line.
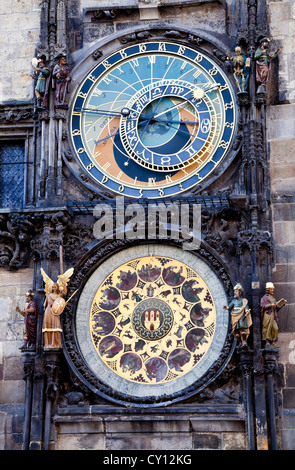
(153,120)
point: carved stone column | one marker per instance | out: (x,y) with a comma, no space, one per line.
(246,358)
(256,255)
(52,370)
(270,369)
(29,362)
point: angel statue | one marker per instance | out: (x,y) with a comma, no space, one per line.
(54,305)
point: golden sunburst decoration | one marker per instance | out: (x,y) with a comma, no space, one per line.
(198,93)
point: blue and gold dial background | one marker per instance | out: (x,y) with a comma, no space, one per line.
(153,119)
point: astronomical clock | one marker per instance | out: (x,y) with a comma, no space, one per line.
(153,120)
(150,121)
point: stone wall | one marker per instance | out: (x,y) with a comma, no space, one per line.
(13,286)
(97,429)
(208,16)
(19,34)
(281,140)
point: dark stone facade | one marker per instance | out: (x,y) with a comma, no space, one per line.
(239,406)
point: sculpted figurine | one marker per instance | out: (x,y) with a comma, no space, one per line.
(42,75)
(30,318)
(240,315)
(269,315)
(263,60)
(54,306)
(241,69)
(60,82)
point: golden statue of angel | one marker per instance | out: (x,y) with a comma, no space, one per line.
(54,305)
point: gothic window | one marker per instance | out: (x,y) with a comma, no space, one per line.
(12,174)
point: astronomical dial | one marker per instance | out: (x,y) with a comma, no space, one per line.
(153,120)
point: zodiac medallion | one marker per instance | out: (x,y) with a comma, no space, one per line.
(152,320)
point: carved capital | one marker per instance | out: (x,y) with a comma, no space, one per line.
(16,233)
(246,361)
(52,371)
(29,363)
(255,240)
(270,354)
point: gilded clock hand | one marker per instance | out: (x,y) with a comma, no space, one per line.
(212,88)
(170,109)
(199,93)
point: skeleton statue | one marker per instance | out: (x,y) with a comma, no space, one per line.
(241,69)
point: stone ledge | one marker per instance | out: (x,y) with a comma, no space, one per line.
(217,425)
(91,411)
(178,419)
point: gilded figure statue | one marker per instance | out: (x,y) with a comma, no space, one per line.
(54,305)
(240,315)
(269,315)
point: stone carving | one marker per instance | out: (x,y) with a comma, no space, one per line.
(194,39)
(59,228)
(72,398)
(221,229)
(174,34)
(16,232)
(97,54)
(17,113)
(52,370)
(134,36)
(255,241)
(110,14)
